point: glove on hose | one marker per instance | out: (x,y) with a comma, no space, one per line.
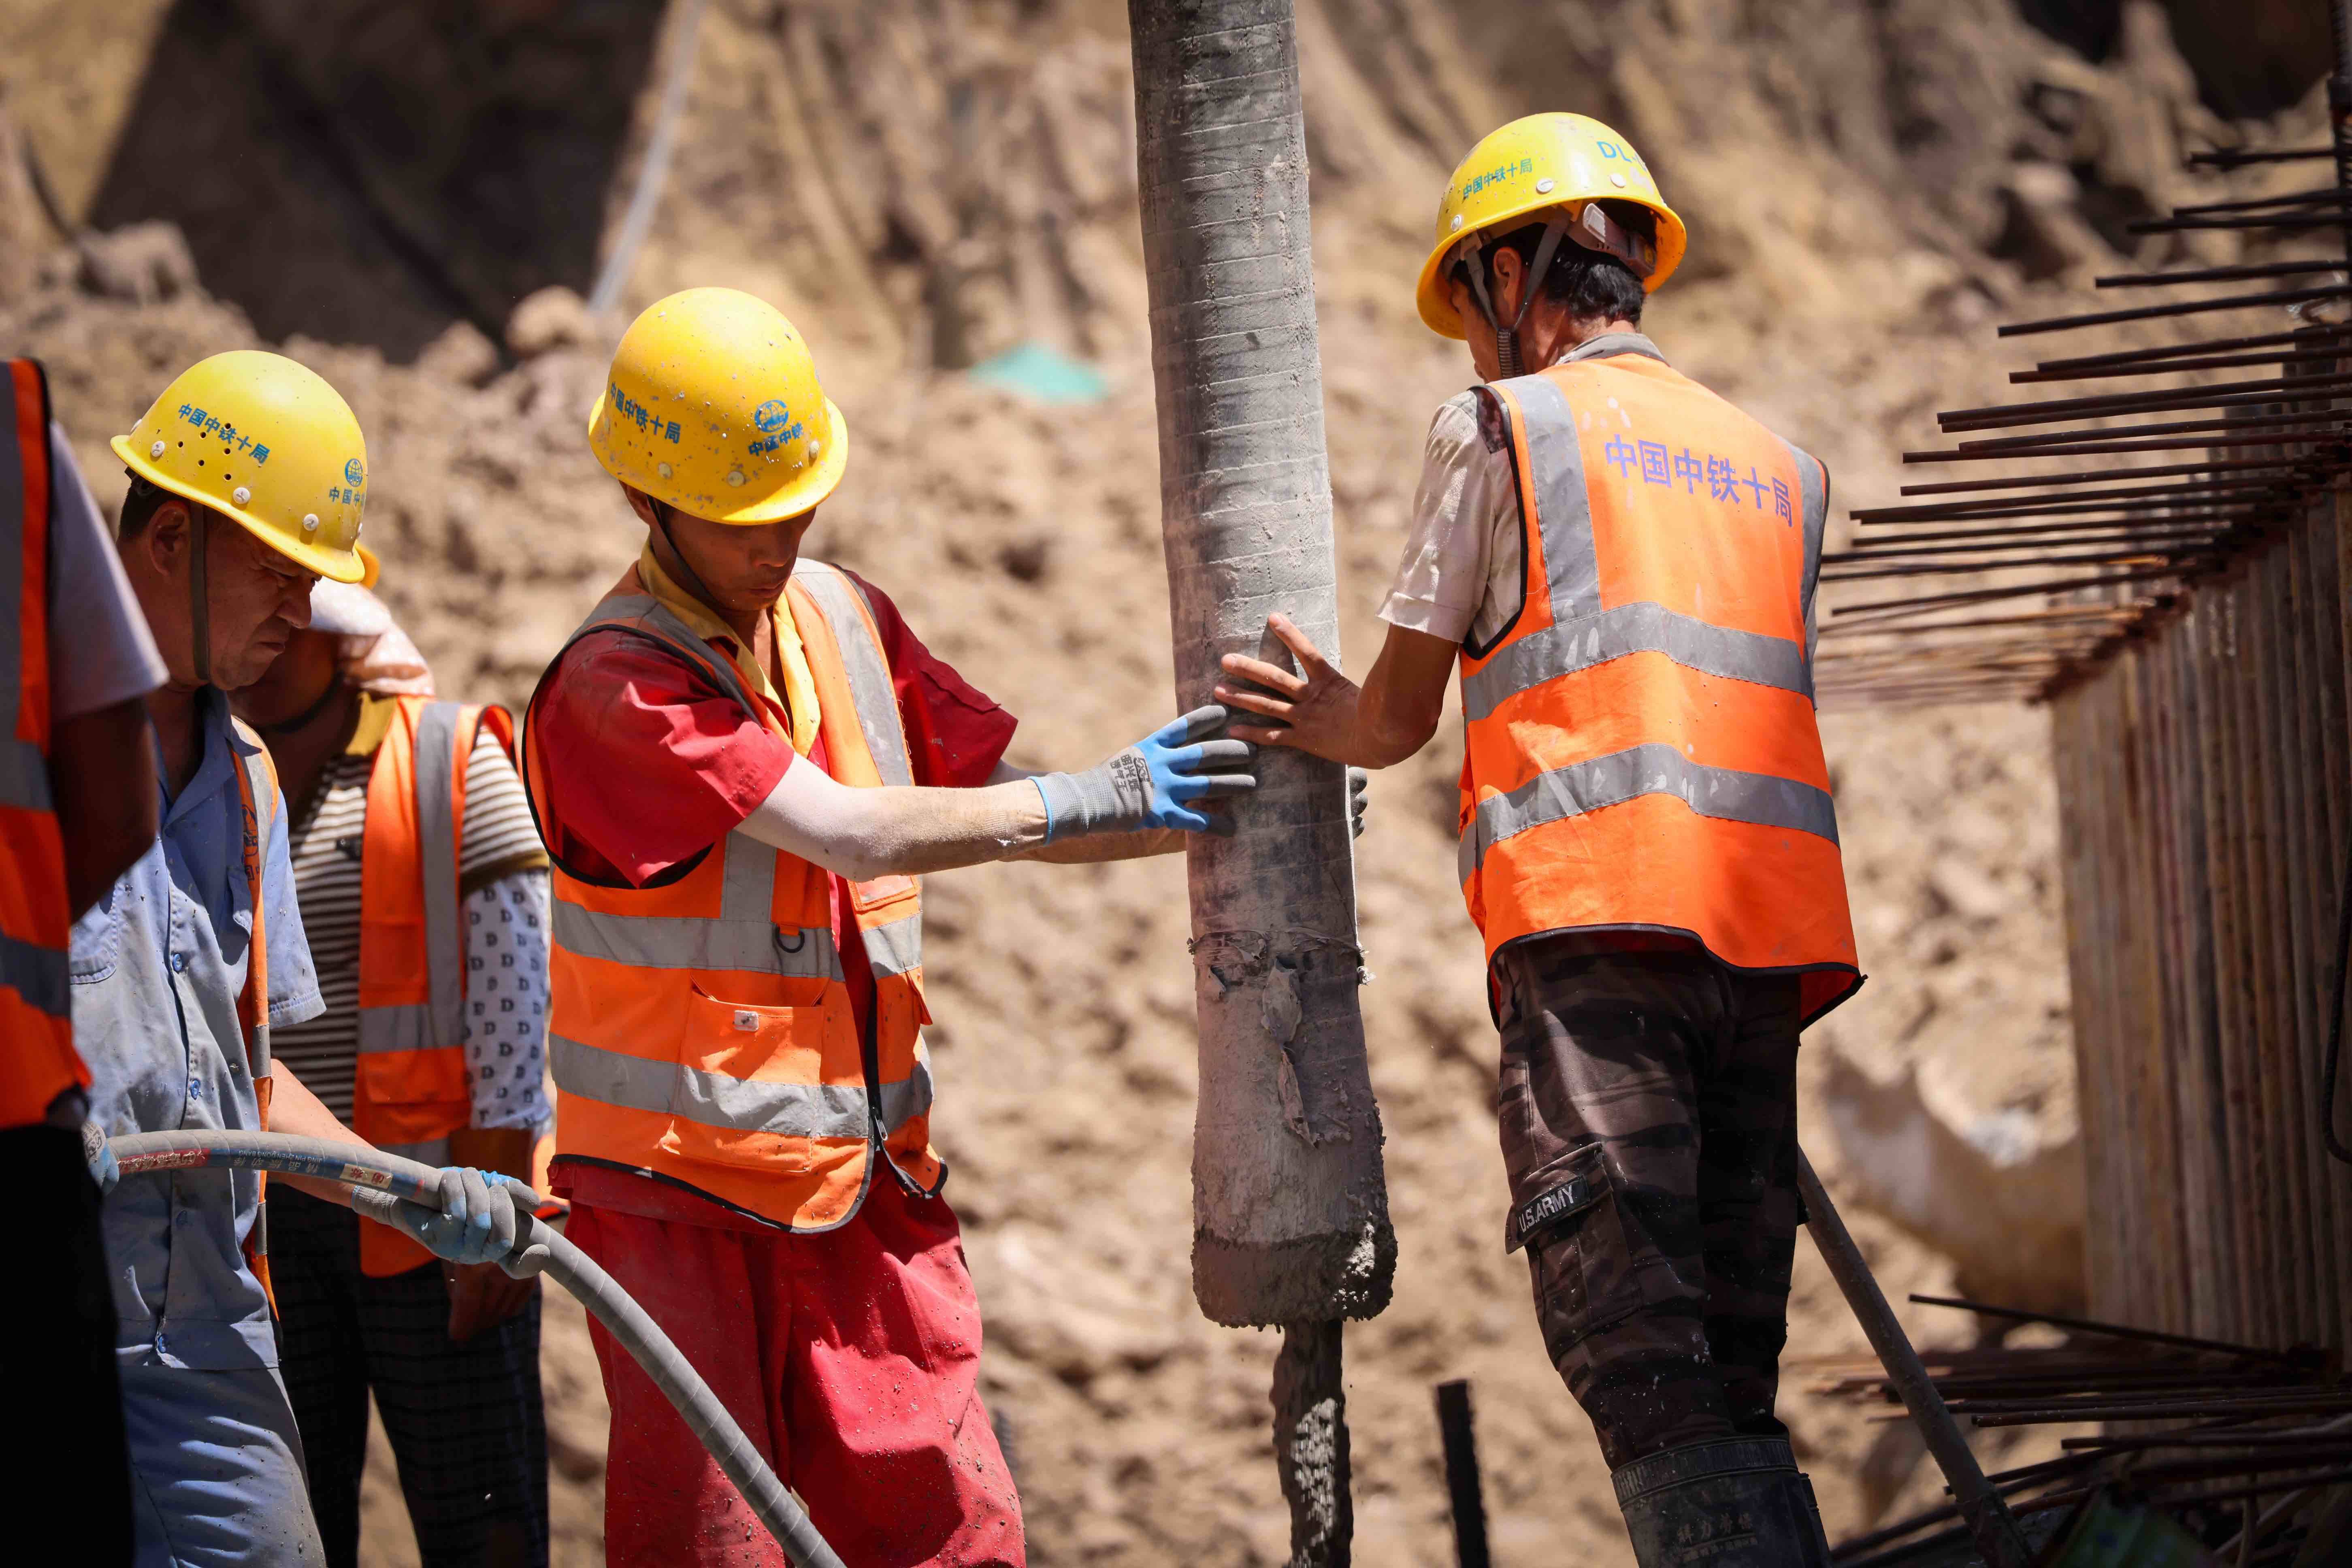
(479,1222)
(99,1155)
(1149,784)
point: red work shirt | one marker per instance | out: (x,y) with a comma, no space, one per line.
(645,762)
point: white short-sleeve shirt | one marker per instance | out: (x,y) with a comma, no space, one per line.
(1460,578)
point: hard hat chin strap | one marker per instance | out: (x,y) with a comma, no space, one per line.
(200,634)
(1506,339)
(694,582)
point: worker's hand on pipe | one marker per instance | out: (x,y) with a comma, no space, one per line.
(484,1295)
(1360,785)
(99,1155)
(479,1222)
(1154,782)
(1312,710)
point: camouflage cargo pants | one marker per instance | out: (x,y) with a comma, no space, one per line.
(1648,1110)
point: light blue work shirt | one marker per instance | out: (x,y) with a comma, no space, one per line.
(158,966)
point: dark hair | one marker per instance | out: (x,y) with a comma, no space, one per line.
(1594,286)
(140,505)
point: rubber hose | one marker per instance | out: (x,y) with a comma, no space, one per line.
(374,1172)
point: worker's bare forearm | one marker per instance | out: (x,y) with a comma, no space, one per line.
(103,777)
(294,1110)
(1383,736)
(904,831)
(1101,846)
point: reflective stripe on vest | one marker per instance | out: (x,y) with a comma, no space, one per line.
(1650,769)
(1641,748)
(258,802)
(36,923)
(415,880)
(896,946)
(741,936)
(702,1028)
(409,1091)
(714,1100)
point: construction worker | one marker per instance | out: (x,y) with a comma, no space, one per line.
(423,896)
(1622,568)
(75,812)
(247,478)
(740,764)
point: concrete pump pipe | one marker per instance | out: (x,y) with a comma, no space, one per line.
(378,1178)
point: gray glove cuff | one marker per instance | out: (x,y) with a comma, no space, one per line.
(1112,797)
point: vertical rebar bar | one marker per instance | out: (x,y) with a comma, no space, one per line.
(1464,1491)
(1310,1444)
(2340,114)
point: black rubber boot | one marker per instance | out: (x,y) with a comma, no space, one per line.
(1737,1503)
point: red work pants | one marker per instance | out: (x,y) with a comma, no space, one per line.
(850,1358)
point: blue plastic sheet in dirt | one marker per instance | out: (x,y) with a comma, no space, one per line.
(1044,374)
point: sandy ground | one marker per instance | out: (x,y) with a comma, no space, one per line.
(1840,289)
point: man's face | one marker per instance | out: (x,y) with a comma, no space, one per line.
(255,599)
(744,566)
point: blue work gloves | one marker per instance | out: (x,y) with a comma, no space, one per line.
(99,1155)
(1153,783)
(479,1222)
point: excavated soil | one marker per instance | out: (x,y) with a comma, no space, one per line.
(923,185)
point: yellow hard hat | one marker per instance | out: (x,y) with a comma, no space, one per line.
(267,443)
(1524,170)
(712,406)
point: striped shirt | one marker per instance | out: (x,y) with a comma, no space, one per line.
(502,883)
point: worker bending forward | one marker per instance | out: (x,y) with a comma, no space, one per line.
(740,764)
(1622,565)
(424,895)
(247,478)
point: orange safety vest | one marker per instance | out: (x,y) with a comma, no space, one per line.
(257,790)
(1642,749)
(410,1091)
(36,923)
(700,1029)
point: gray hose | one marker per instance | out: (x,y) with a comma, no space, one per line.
(372,1173)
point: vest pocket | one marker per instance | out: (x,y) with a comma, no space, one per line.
(758,1071)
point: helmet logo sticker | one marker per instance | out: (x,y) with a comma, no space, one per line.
(1609,148)
(1476,183)
(623,407)
(770,417)
(352,473)
(223,431)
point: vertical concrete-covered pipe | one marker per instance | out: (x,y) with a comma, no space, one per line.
(1290,1209)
